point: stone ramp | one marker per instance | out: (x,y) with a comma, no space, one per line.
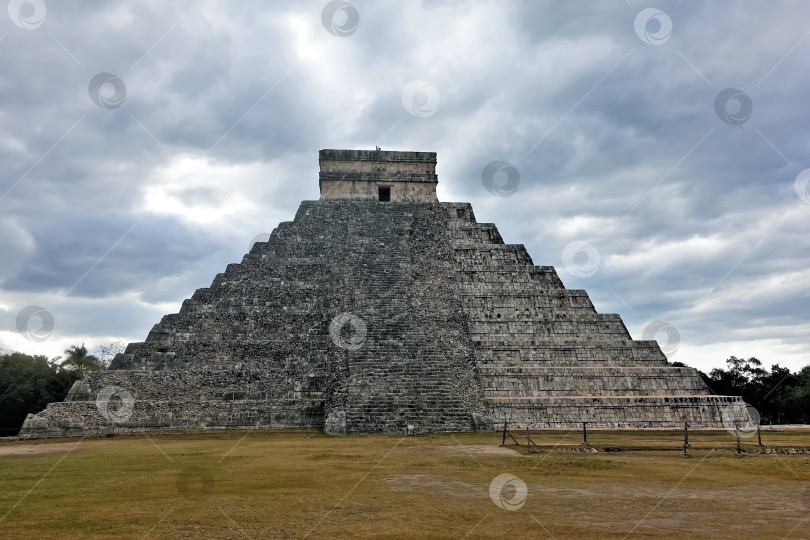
(415,366)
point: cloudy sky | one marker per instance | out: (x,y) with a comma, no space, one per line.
(657,148)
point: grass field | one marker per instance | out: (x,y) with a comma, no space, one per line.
(265,484)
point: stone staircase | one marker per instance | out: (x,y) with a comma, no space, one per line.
(407,372)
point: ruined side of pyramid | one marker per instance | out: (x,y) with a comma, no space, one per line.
(377,308)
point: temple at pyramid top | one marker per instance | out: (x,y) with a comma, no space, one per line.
(378,175)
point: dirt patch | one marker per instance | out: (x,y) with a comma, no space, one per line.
(433,483)
(471,450)
(13,450)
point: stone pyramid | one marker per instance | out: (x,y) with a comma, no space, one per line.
(377,308)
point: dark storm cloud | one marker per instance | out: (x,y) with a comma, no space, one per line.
(151,249)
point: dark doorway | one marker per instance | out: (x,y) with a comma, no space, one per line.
(385,194)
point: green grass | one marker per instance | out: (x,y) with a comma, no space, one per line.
(265,484)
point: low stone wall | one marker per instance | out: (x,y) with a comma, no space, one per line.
(620,412)
(69,419)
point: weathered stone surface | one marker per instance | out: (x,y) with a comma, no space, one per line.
(359,174)
(362,316)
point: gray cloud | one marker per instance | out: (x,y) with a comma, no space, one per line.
(617,143)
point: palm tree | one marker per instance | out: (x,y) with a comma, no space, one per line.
(78,360)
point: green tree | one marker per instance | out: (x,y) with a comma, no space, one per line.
(794,400)
(768,393)
(80,361)
(27,385)
(778,395)
(738,378)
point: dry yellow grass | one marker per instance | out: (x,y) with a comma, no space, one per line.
(264,484)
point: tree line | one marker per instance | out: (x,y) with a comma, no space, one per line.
(779,395)
(28,383)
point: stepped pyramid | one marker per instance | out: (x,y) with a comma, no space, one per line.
(377,308)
